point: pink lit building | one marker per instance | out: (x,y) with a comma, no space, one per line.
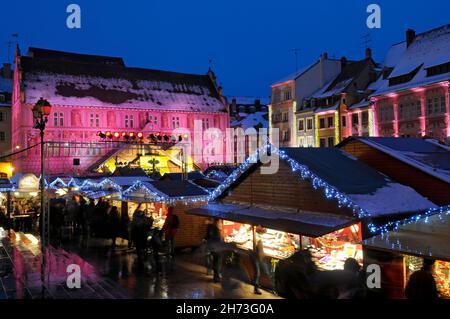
(97,93)
(411,97)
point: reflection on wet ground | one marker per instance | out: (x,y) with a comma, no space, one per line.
(188,279)
(107,273)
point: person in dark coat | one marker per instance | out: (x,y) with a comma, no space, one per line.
(141,225)
(260,265)
(421,284)
(156,245)
(213,256)
(114,225)
(125,227)
(169,230)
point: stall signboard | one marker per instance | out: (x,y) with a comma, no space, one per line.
(28,183)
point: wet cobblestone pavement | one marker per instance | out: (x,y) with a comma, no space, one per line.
(20,274)
(110,274)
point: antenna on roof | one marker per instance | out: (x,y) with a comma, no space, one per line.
(296,51)
(366,40)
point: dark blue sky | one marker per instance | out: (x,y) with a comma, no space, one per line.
(249,41)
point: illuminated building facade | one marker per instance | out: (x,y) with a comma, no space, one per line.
(411,97)
(91,94)
(339,108)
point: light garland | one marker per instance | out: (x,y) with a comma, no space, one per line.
(302,170)
(158,197)
(393,226)
(57,180)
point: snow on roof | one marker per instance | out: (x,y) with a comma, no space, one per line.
(296,74)
(128,180)
(425,155)
(427,237)
(393,198)
(257,119)
(70,82)
(355,184)
(363,103)
(428,49)
(394,55)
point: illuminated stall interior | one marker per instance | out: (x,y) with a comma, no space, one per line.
(282,234)
(156,198)
(401,252)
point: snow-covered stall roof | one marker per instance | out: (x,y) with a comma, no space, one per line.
(428,49)
(350,181)
(427,237)
(426,155)
(165,191)
(71,81)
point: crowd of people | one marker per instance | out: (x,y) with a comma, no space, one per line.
(86,219)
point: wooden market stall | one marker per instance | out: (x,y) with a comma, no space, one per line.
(158,196)
(318,199)
(401,252)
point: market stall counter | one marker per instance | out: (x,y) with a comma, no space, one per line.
(330,238)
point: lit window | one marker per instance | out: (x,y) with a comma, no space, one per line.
(301,125)
(58,119)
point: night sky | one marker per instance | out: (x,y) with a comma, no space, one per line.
(250,42)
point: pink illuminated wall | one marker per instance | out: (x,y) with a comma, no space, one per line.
(73,123)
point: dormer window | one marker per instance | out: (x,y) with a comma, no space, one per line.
(438,69)
(404,77)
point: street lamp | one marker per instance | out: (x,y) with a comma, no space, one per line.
(41,111)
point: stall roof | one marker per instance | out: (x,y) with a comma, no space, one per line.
(424,154)
(128,180)
(306,223)
(5,185)
(428,237)
(363,186)
(174,188)
(179,176)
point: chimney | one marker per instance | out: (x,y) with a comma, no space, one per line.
(234,106)
(343,62)
(257,105)
(325,55)
(368,53)
(6,71)
(219,90)
(410,36)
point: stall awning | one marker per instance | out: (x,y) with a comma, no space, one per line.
(311,224)
(428,237)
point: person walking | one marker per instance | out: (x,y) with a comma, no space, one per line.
(260,265)
(169,231)
(141,225)
(114,225)
(421,284)
(213,241)
(156,244)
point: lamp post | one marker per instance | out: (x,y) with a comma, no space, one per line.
(41,111)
